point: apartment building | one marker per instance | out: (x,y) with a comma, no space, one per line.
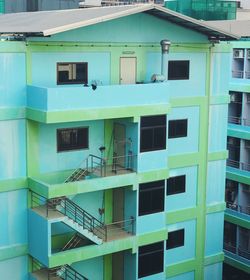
(237,196)
(113,145)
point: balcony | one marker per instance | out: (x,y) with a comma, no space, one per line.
(239,165)
(238,252)
(238,74)
(74,103)
(238,208)
(93,174)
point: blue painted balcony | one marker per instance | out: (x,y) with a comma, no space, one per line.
(73,103)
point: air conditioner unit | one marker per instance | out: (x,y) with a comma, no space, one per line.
(248,54)
(238,53)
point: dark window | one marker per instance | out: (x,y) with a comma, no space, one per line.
(72,73)
(72,139)
(175,239)
(176,185)
(178,70)
(151,197)
(177,128)
(153,133)
(150,259)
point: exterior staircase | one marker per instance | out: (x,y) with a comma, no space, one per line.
(74,242)
(91,165)
(79,220)
(64,272)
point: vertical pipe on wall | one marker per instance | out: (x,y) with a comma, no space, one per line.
(165,45)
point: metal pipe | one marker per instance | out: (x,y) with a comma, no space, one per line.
(165,45)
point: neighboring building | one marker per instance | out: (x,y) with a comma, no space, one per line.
(10,6)
(122,178)
(237,196)
(205,9)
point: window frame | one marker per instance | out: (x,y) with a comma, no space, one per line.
(152,187)
(151,259)
(83,82)
(173,192)
(153,128)
(179,78)
(183,135)
(76,148)
(179,243)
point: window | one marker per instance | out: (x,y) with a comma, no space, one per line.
(72,73)
(72,139)
(178,70)
(153,133)
(32,5)
(175,239)
(177,128)
(151,197)
(150,259)
(176,185)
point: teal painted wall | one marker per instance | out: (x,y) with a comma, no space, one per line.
(134,28)
(187,199)
(14,269)
(14,95)
(39,240)
(13,222)
(195,86)
(12,149)
(187,144)
(91,269)
(213,271)
(214,233)
(69,159)
(130,265)
(216,188)
(220,77)
(185,276)
(188,250)
(217,127)
(44,72)
(151,222)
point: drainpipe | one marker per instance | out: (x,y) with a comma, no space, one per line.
(165,45)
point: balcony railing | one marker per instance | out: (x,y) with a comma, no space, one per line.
(239,208)
(234,120)
(237,250)
(239,121)
(247,74)
(238,74)
(240,165)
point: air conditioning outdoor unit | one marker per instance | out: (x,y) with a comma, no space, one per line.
(238,53)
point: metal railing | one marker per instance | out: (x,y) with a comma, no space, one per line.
(238,120)
(238,74)
(239,208)
(247,74)
(237,250)
(95,165)
(82,218)
(65,272)
(240,165)
(114,229)
(234,120)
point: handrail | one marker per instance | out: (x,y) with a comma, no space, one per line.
(82,217)
(71,272)
(238,74)
(237,207)
(237,164)
(237,250)
(234,120)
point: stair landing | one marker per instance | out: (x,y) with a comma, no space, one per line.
(52,214)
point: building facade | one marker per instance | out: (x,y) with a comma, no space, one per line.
(237,216)
(107,172)
(10,6)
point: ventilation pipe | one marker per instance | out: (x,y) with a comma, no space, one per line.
(165,45)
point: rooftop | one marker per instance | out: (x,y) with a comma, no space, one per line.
(47,23)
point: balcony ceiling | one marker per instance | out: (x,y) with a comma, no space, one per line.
(47,23)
